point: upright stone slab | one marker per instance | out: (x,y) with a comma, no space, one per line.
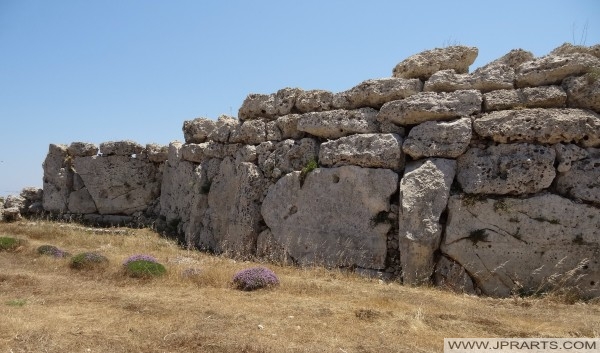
(364,150)
(424,191)
(524,245)
(58,179)
(333,217)
(426,63)
(506,169)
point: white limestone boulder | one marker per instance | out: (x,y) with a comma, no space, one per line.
(524,245)
(363,150)
(439,139)
(428,106)
(582,180)
(120,148)
(82,149)
(198,130)
(584,91)
(332,217)
(506,169)
(338,123)
(552,69)
(314,101)
(269,106)
(425,64)
(529,97)
(288,156)
(568,48)
(58,179)
(546,126)
(222,130)
(250,132)
(374,93)
(424,191)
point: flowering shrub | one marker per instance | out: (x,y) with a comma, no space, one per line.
(143,266)
(88,260)
(52,251)
(255,278)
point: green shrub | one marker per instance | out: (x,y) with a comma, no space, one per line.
(144,269)
(88,260)
(9,243)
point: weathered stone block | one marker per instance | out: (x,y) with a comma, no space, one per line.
(567,154)
(552,69)
(529,97)
(120,148)
(288,156)
(428,106)
(374,93)
(582,180)
(451,275)
(424,191)
(82,149)
(332,218)
(250,132)
(439,139)
(426,63)
(198,130)
(58,179)
(222,130)
(363,150)
(269,106)
(515,245)
(314,101)
(584,91)
(506,169)
(157,153)
(338,123)
(547,126)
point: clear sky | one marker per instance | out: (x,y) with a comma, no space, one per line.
(95,71)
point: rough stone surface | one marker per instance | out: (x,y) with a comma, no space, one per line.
(198,130)
(198,152)
(157,153)
(119,184)
(288,156)
(450,275)
(439,139)
(426,63)
(268,248)
(120,148)
(180,181)
(424,191)
(288,125)
(582,180)
(568,48)
(485,79)
(511,245)
(552,69)
(81,202)
(314,101)
(514,58)
(428,106)
(82,149)
(250,132)
(338,123)
(11,214)
(567,154)
(223,127)
(584,91)
(58,179)
(364,150)
(547,126)
(506,169)
(530,97)
(269,106)
(374,93)
(232,221)
(32,194)
(332,217)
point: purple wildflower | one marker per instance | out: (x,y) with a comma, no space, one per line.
(139,257)
(255,278)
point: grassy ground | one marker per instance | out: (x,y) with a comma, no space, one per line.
(47,307)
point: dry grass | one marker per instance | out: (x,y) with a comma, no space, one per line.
(47,307)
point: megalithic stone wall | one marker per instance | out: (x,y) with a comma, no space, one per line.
(484,182)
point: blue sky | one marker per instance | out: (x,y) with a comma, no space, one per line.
(95,71)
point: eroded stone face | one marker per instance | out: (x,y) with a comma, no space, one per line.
(582,180)
(58,179)
(269,106)
(333,217)
(511,245)
(439,139)
(338,123)
(584,91)
(314,101)
(82,149)
(506,169)
(288,156)
(374,93)
(546,126)
(198,130)
(120,148)
(426,63)
(364,150)
(529,97)
(553,68)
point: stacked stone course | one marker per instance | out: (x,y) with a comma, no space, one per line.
(484,182)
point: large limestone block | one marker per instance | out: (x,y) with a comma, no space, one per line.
(522,245)
(232,221)
(198,152)
(506,169)
(81,202)
(314,101)
(198,130)
(58,179)
(552,69)
(529,97)
(567,154)
(157,153)
(424,191)
(568,48)
(485,79)
(180,181)
(222,130)
(119,184)
(288,126)
(426,63)
(338,123)
(333,217)
(451,275)
(288,156)
(82,149)
(269,106)
(439,139)
(364,150)
(374,93)
(250,132)
(120,148)
(514,58)
(582,180)
(428,106)
(584,91)
(547,126)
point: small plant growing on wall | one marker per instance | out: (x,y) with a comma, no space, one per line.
(143,266)
(255,278)
(309,167)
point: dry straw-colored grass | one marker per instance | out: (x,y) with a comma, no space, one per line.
(47,307)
